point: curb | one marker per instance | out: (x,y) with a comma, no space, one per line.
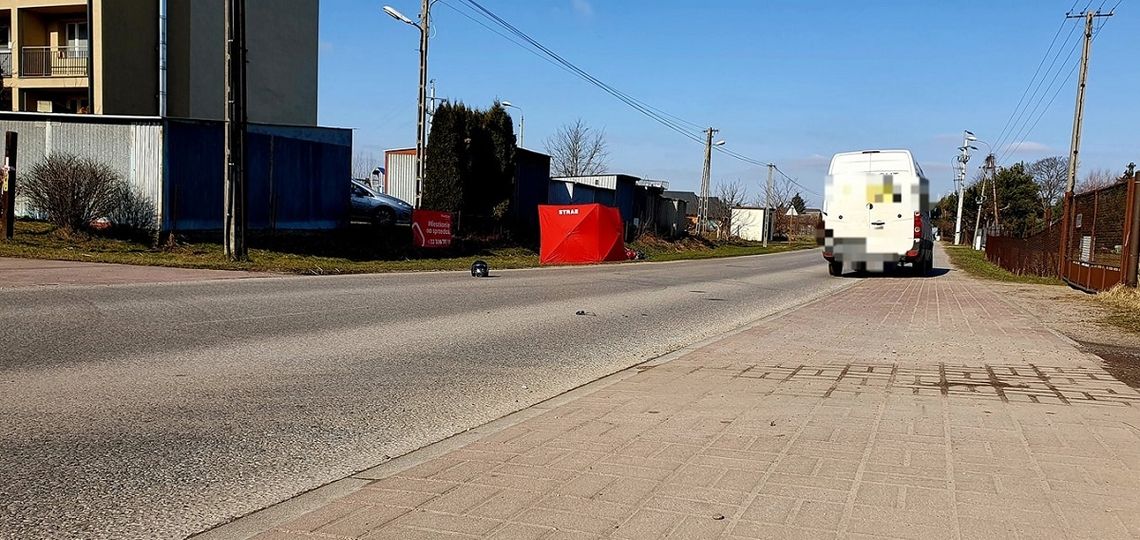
(263,520)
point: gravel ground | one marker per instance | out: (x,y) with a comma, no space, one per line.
(1080,317)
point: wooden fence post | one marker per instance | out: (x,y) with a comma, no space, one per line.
(1132,229)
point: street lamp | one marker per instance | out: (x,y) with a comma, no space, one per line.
(522,121)
(963,158)
(421,114)
(398,16)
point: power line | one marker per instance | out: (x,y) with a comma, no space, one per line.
(1040,116)
(1003,138)
(670,121)
(1025,93)
(1018,134)
(1022,136)
(629,100)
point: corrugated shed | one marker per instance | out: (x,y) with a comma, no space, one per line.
(146,163)
(532,180)
(297,178)
(400,174)
(608,181)
(133,149)
(32,149)
(671,217)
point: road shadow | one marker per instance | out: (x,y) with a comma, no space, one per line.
(896,273)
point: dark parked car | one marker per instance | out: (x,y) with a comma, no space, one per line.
(378,208)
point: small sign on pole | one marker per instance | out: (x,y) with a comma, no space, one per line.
(9,187)
(431,229)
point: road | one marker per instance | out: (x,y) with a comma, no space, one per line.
(157,411)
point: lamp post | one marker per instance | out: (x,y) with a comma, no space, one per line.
(421,113)
(963,158)
(522,121)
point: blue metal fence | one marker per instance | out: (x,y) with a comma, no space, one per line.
(296,177)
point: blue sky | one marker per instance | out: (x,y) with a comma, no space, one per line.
(791,82)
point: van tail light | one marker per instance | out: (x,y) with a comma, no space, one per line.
(917,225)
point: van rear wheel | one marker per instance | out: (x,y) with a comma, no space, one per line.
(835,268)
(921,267)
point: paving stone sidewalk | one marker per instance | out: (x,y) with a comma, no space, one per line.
(898,408)
(40,273)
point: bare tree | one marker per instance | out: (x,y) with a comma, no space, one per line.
(577,150)
(1096,179)
(783,190)
(364,162)
(733,194)
(782,194)
(1051,175)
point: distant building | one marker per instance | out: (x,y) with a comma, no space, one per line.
(639,201)
(103,57)
(807,212)
(747,223)
(718,211)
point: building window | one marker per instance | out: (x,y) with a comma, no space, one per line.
(5,51)
(77,40)
(77,105)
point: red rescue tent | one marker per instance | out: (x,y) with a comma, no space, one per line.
(580,234)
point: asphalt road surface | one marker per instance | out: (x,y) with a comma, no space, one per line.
(158,411)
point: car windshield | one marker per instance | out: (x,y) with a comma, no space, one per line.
(362,191)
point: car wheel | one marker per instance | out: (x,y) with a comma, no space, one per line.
(384,217)
(835,268)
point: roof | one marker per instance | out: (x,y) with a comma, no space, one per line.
(692,201)
(603,181)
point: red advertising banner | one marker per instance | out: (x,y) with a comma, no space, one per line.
(431,229)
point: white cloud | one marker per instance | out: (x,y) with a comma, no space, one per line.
(582,7)
(1029,146)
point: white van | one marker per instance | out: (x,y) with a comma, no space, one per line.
(877,213)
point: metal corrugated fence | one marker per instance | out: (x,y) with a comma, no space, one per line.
(132,148)
(298,176)
(400,175)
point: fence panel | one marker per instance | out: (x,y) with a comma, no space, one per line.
(1097,242)
(1035,254)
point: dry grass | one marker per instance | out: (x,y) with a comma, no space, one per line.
(1124,304)
(350,252)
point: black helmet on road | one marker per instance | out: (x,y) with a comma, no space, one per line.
(480,269)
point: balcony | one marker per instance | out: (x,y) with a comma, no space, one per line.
(5,64)
(53,62)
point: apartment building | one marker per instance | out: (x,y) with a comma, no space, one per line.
(106,57)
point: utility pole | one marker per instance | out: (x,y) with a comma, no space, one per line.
(703,204)
(981,203)
(991,166)
(769,219)
(1078,124)
(963,159)
(421,129)
(235,194)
